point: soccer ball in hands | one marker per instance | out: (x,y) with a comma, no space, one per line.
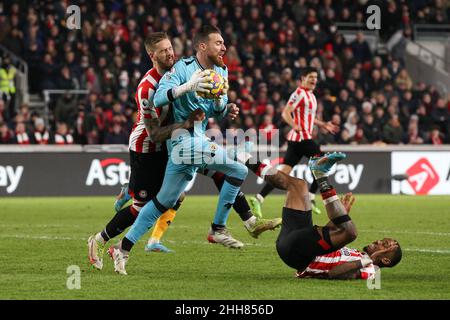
(218,83)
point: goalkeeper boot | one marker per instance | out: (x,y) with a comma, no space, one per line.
(120,258)
(262,225)
(95,252)
(122,198)
(320,166)
(224,237)
(157,247)
(255,207)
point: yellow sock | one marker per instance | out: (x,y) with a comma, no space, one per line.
(162,224)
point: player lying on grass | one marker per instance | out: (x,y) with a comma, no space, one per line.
(320,251)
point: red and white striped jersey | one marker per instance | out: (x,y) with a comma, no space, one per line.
(304,105)
(139,139)
(321,265)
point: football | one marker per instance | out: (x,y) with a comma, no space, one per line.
(218,83)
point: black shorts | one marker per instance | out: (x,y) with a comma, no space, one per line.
(299,242)
(297,150)
(147,174)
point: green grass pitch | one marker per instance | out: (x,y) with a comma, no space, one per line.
(42,237)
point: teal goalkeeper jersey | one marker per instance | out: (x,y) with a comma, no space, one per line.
(184,105)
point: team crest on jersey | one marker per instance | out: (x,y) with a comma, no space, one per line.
(143,193)
(145,103)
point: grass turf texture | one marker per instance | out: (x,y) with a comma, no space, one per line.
(41,237)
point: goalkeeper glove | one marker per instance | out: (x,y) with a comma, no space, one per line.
(199,82)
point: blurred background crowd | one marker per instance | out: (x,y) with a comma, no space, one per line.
(371,97)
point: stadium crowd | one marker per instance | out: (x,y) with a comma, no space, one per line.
(371,97)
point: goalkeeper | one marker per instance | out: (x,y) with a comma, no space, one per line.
(191,150)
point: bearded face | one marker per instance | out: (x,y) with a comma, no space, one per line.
(215,49)
(164,55)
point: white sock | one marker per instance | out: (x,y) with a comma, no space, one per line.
(152,241)
(99,238)
(312,196)
(250,222)
(260,198)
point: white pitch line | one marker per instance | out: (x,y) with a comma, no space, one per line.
(441,234)
(428,250)
(24,236)
(190,242)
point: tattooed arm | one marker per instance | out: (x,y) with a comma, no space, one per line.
(276,178)
(160,134)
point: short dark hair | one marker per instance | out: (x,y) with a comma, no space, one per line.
(396,257)
(153,38)
(204,32)
(307,70)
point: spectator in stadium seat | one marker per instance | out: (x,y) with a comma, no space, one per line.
(14,40)
(331,83)
(441,116)
(351,124)
(248,123)
(425,120)
(116,135)
(268,128)
(393,131)
(62,134)
(427,101)
(414,136)
(436,137)
(48,71)
(375,83)
(359,137)
(380,117)
(6,134)
(41,135)
(361,49)
(344,137)
(372,130)
(66,108)
(66,80)
(408,102)
(21,135)
(403,80)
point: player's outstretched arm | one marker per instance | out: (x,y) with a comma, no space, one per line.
(160,134)
(349,270)
(174,85)
(328,126)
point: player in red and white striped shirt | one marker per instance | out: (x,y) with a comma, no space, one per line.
(148,153)
(320,251)
(300,114)
(140,140)
(322,265)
